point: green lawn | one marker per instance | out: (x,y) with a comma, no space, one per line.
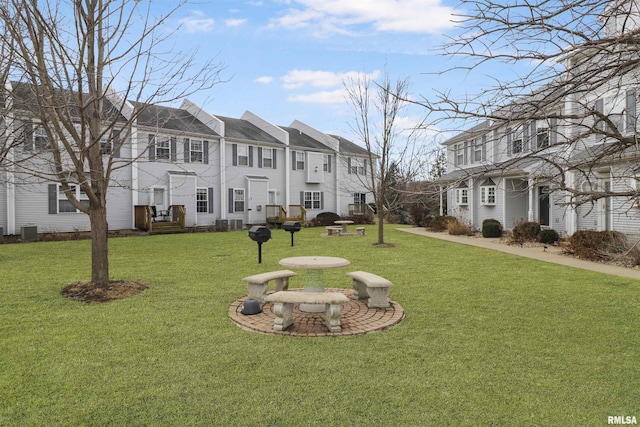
(489,339)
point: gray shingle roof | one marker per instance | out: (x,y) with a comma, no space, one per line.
(244,130)
(299,139)
(169,118)
(348,147)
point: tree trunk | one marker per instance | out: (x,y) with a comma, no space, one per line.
(99,246)
(380,213)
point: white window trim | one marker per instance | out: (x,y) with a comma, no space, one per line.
(236,199)
(462,196)
(242,153)
(267,154)
(300,160)
(485,195)
(195,152)
(205,191)
(79,195)
(312,200)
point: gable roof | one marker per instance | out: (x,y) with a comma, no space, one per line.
(168,118)
(243,130)
(348,147)
(297,138)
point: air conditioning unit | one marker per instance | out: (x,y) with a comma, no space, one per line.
(29,233)
(222,225)
(236,224)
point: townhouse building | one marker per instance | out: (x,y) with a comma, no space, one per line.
(221,170)
(543,158)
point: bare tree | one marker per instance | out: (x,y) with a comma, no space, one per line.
(76,64)
(575,67)
(394,158)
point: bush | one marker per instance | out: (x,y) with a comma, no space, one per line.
(525,231)
(548,236)
(457,228)
(596,245)
(491,228)
(437,223)
(326,218)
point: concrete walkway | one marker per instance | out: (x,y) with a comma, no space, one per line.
(551,255)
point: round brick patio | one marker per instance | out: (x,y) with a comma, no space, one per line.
(356,318)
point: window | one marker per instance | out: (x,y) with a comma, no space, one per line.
(267,157)
(516,147)
(542,137)
(326,163)
(202,200)
(35,137)
(196,150)
(243,155)
(459,154)
(163,148)
(357,166)
(64,205)
(359,198)
(299,160)
(312,200)
(620,108)
(479,149)
(488,193)
(238,199)
(462,196)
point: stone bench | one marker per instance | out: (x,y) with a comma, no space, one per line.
(333,230)
(258,284)
(283,307)
(368,285)
(360,231)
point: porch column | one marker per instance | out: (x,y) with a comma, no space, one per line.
(441,200)
(532,194)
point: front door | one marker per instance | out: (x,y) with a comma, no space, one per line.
(544,206)
(257,200)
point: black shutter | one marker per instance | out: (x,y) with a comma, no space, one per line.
(302,198)
(329,163)
(293,160)
(174,155)
(553,132)
(349,165)
(234,154)
(210,199)
(322,200)
(53,198)
(205,152)
(508,131)
(231,200)
(186,150)
(116,143)
(250,156)
(259,157)
(631,110)
(525,138)
(599,123)
(365,166)
(274,154)
(152,147)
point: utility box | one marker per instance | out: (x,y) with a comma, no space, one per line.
(222,225)
(29,233)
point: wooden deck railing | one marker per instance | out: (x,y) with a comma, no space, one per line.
(277,214)
(144,219)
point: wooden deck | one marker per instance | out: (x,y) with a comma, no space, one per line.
(145,220)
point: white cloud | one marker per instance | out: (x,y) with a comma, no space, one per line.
(264,80)
(234,22)
(197,23)
(295,79)
(407,16)
(323,97)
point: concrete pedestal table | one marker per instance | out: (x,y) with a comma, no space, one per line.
(315,266)
(343,223)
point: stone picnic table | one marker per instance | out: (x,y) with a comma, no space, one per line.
(343,223)
(314,281)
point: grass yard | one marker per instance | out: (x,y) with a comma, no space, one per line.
(488,339)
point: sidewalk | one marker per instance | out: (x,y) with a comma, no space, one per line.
(529,252)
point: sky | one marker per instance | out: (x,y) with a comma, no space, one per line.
(286,60)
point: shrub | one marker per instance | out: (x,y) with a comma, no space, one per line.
(458,228)
(596,245)
(548,235)
(525,231)
(326,218)
(437,223)
(491,228)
